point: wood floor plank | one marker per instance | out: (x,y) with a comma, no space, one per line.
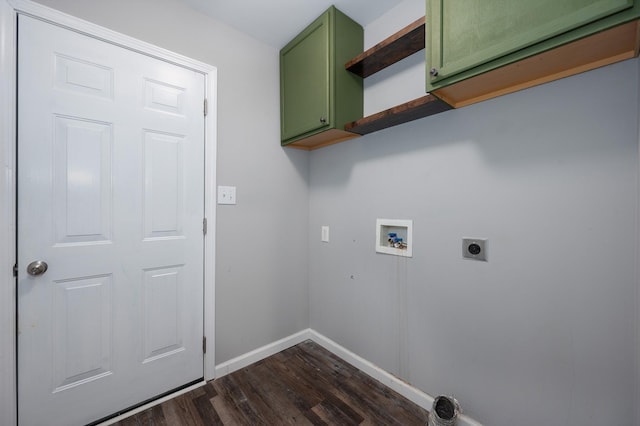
(314,384)
(314,418)
(395,406)
(370,398)
(307,392)
(303,385)
(207,411)
(362,391)
(234,402)
(340,411)
(331,415)
(181,410)
(228,413)
(265,391)
(210,390)
(153,416)
(251,397)
(337,374)
(308,388)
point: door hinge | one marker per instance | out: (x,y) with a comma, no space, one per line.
(204,226)
(204,344)
(15,270)
(206,107)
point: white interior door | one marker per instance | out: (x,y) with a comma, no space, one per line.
(111,197)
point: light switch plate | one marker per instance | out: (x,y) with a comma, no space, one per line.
(226,195)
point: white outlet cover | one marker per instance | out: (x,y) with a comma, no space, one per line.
(226,195)
(324,234)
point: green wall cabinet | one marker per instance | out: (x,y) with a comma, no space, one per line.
(466,38)
(317,95)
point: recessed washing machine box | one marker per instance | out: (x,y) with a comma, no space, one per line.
(394,236)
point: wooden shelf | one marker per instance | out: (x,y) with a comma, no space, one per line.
(398,46)
(409,111)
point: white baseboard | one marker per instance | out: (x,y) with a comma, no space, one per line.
(413,394)
(261,353)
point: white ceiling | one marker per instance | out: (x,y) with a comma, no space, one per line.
(276,22)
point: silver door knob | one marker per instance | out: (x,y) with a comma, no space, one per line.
(38,267)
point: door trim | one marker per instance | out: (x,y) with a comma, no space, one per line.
(8,389)
(9,10)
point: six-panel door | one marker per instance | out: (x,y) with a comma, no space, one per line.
(110,196)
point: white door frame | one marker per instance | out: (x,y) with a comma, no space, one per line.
(8,48)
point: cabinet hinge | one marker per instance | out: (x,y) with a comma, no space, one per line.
(15,270)
(206,107)
(204,344)
(204,226)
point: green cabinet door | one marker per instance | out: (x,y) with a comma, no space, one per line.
(317,93)
(304,73)
(464,34)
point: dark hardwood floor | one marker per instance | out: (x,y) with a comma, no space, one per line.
(303,385)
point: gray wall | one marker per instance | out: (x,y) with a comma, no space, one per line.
(261,279)
(542,333)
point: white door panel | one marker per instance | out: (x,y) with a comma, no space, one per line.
(111,196)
